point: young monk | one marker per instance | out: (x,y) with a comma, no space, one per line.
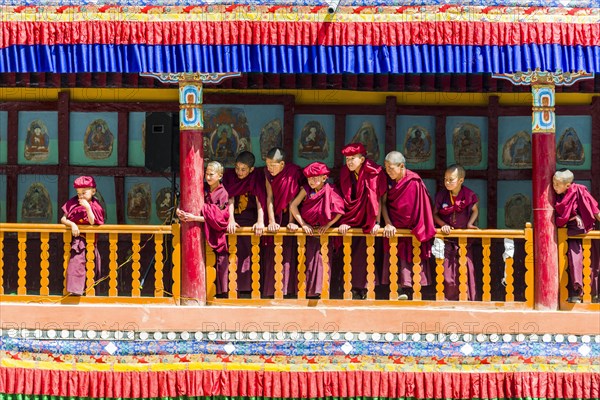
(283,183)
(321,208)
(578,211)
(406,205)
(362,184)
(215,216)
(82,209)
(456,207)
(247,200)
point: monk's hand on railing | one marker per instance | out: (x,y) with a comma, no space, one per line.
(471,226)
(375,229)
(446,229)
(292,227)
(307,229)
(258,228)
(232,226)
(343,228)
(322,229)
(273,227)
(389,230)
(75,230)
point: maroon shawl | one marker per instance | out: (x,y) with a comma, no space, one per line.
(576,201)
(77,213)
(409,206)
(285,185)
(216,217)
(362,208)
(253,184)
(456,215)
(319,208)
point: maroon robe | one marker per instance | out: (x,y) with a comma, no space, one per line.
(456,213)
(577,201)
(245,192)
(216,217)
(361,196)
(286,186)
(409,207)
(318,209)
(76,269)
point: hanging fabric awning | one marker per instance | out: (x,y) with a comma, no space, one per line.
(299,39)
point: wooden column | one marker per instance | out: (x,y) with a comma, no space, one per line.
(191,170)
(544,164)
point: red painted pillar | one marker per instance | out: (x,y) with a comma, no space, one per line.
(191,170)
(544,228)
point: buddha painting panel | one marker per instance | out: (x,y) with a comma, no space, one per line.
(37,205)
(313,144)
(98,140)
(517,211)
(417,144)
(271,135)
(466,140)
(164,204)
(366,135)
(37,141)
(516,152)
(139,203)
(569,150)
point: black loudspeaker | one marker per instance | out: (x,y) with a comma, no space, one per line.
(162,142)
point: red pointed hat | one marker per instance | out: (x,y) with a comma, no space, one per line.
(84,182)
(353,149)
(316,169)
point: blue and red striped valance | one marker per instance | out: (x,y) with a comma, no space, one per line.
(299,39)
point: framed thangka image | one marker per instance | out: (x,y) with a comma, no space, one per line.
(415,139)
(231,129)
(514,204)
(3,136)
(514,143)
(2,198)
(574,142)
(370,131)
(38,137)
(466,142)
(148,201)
(137,139)
(313,139)
(93,138)
(37,196)
(105,193)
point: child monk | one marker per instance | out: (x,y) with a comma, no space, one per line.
(283,183)
(215,216)
(247,200)
(321,207)
(83,209)
(456,207)
(577,210)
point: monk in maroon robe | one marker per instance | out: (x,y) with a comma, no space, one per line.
(247,200)
(406,205)
(362,184)
(215,216)
(83,209)
(283,183)
(320,208)
(456,207)
(578,211)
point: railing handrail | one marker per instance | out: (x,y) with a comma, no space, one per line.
(59,228)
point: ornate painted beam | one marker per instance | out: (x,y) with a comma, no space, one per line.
(543,130)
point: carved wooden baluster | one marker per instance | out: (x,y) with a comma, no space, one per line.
(135,256)
(90,264)
(256,266)
(44,264)
(370,267)
(67,235)
(1,262)
(301,267)
(233,261)
(529,277)
(211,272)
(439,279)
(176,259)
(487,270)
(158,265)
(22,263)
(113,239)
(347,267)
(563,248)
(393,267)
(416,269)
(510,279)
(278,267)
(462,269)
(587,271)
(326,269)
